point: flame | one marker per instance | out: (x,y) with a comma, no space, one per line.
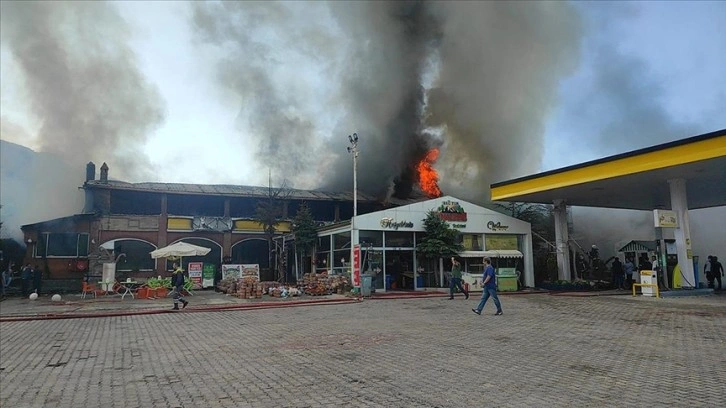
(428,178)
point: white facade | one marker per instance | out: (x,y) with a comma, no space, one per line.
(478,224)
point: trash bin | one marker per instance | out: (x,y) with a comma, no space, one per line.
(506,283)
(366,283)
(389,280)
(419,281)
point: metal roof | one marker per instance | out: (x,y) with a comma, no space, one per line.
(635,180)
(225,190)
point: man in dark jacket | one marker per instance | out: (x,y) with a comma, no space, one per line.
(26,274)
(37,279)
(177,281)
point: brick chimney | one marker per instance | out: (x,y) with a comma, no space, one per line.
(104,173)
(90,171)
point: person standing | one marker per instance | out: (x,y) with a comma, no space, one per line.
(707,271)
(37,279)
(455,281)
(617,270)
(489,286)
(26,274)
(716,271)
(177,281)
(629,269)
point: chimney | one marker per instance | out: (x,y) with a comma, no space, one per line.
(90,171)
(104,172)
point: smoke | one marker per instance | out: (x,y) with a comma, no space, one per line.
(619,105)
(264,50)
(81,83)
(474,78)
(71,64)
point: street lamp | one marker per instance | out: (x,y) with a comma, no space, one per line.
(353,148)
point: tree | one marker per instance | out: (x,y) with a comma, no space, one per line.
(440,239)
(304,229)
(541,218)
(269,213)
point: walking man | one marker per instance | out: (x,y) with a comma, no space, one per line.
(716,271)
(455,280)
(177,281)
(489,284)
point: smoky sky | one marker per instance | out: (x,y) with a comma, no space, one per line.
(81,82)
(476,79)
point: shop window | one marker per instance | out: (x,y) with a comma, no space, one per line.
(370,238)
(341,240)
(399,239)
(63,245)
(135,203)
(501,241)
(470,242)
(322,261)
(190,204)
(324,243)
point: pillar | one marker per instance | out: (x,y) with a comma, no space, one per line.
(562,238)
(679,204)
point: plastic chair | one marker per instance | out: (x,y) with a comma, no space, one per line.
(89,288)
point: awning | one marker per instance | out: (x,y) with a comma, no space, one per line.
(499,253)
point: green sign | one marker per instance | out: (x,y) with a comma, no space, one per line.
(208,273)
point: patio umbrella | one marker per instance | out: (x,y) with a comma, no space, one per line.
(178,250)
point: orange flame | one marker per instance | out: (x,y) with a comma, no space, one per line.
(428,178)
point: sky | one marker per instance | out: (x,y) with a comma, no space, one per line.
(229,93)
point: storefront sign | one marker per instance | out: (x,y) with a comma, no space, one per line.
(208,275)
(497,226)
(356,266)
(388,222)
(195,273)
(665,219)
(452,211)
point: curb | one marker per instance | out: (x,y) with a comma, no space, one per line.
(199,309)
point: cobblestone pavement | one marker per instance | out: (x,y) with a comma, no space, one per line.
(545,351)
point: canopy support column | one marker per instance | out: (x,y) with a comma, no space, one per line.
(682,232)
(562,239)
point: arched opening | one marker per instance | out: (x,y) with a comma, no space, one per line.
(253,251)
(214,257)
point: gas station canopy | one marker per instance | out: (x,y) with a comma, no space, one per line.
(636,180)
(678,176)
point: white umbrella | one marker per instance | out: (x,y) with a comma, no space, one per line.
(179,249)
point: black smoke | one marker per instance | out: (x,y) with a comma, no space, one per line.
(476,79)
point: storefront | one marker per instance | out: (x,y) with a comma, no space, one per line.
(388,242)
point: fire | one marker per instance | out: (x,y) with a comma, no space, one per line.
(428,178)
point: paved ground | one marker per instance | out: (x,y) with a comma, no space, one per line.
(430,352)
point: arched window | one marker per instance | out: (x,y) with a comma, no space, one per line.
(251,251)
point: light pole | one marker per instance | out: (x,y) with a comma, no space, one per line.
(353,148)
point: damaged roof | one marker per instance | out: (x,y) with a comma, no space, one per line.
(237,191)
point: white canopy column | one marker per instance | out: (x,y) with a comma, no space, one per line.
(682,232)
(562,238)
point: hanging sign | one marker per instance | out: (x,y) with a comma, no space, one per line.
(356,266)
(665,219)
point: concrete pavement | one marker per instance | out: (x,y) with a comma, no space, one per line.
(429,352)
